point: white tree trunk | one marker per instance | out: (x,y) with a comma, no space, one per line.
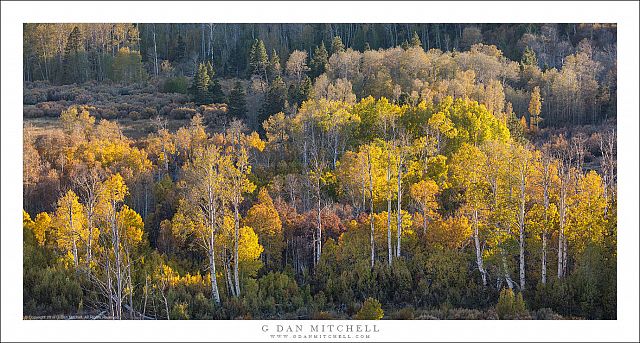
(399,206)
(236,277)
(507,278)
(544,258)
(560,246)
(373,250)
(479,259)
(215,295)
(561,238)
(319,234)
(214,282)
(155,51)
(389,246)
(521,229)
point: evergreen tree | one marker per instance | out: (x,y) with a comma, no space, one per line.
(74,42)
(319,60)
(298,94)
(259,60)
(337,45)
(415,41)
(237,101)
(529,58)
(274,69)
(210,71)
(275,100)
(179,52)
(200,86)
(215,90)
(73,63)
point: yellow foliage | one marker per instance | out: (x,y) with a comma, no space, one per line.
(451,233)
(115,189)
(380,224)
(255,142)
(69,222)
(248,247)
(424,193)
(41,227)
(26,219)
(131,225)
(585,219)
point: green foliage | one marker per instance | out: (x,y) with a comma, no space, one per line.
(275,294)
(127,66)
(274,69)
(529,58)
(217,95)
(510,306)
(237,101)
(319,60)
(371,310)
(178,84)
(444,279)
(180,311)
(48,287)
(275,99)
(75,58)
(258,58)
(200,86)
(300,93)
(336,45)
(415,40)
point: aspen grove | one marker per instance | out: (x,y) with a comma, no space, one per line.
(319,180)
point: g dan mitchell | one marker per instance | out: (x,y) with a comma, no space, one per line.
(321,328)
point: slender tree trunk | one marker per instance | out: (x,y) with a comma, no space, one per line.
(476,239)
(564,256)
(227,273)
(116,252)
(364,191)
(109,288)
(155,51)
(215,295)
(236,278)
(389,246)
(373,250)
(521,229)
(507,278)
(561,238)
(560,246)
(75,247)
(90,228)
(75,252)
(399,206)
(166,305)
(319,235)
(545,186)
(522,264)
(146,295)
(544,257)
(130,287)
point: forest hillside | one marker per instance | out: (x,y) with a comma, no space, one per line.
(327,171)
